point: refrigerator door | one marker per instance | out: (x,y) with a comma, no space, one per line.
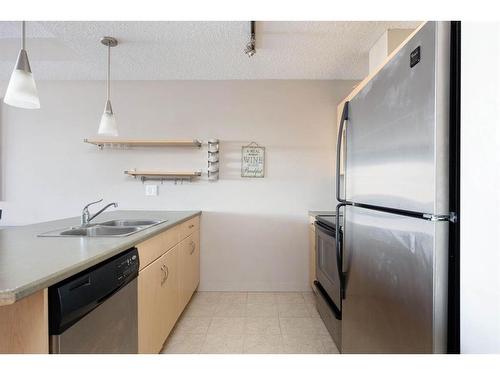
(397,129)
(395,283)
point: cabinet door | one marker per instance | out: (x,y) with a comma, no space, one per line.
(189,267)
(193,262)
(24,325)
(151,307)
(170,289)
(158,301)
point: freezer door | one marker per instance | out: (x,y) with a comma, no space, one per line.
(397,129)
(395,283)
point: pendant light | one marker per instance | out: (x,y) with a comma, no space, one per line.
(21,91)
(108,122)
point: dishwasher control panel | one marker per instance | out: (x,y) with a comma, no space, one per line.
(127,266)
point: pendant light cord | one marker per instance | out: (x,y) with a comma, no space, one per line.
(23,43)
(108,76)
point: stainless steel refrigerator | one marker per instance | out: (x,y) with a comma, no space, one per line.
(395,199)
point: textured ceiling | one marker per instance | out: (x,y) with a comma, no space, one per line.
(194,50)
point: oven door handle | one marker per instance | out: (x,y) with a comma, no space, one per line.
(339,248)
(324,229)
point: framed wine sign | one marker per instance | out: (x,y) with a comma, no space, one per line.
(252,160)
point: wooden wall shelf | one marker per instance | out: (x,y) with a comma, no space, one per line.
(162,175)
(102,142)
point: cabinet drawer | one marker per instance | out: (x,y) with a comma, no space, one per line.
(171,237)
(188,227)
(156,246)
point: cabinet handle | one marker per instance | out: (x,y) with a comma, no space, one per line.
(164,278)
(191,226)
(193,248)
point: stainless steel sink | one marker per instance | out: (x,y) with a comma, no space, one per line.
(130,223)
(112,228)
(98,230)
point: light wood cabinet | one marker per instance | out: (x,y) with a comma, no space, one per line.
(24,325)
(151,308)
(169,274)
(158,301)
(154,247)
(188,227)
(170,289)
(189,257)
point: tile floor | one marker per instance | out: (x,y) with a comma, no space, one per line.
(223,322)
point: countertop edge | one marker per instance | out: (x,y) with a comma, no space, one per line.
(9,297)
(320,212)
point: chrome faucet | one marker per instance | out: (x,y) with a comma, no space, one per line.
(86,214)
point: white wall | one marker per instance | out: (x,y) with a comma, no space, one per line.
(480,188)
(254,232)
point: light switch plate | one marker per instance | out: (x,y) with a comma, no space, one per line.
(151,190)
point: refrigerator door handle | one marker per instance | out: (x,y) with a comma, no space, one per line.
(345,112)
(339,249)
(451,217)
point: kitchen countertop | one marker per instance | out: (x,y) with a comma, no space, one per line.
(316,213)
(29,263)
(312,215)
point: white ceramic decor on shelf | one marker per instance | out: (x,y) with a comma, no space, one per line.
(213,159)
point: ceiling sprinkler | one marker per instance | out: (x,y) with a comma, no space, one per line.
(250,47)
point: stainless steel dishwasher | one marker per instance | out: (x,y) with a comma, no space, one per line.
(95,311)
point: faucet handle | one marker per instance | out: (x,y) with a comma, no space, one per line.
(91,203)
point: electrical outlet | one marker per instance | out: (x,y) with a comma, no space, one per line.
(151,190)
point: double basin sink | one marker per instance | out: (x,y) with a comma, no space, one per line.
(112,228)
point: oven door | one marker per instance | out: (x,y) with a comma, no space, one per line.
(328,263)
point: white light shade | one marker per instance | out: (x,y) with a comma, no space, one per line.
(108,122)
(108,125)
(21,91)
